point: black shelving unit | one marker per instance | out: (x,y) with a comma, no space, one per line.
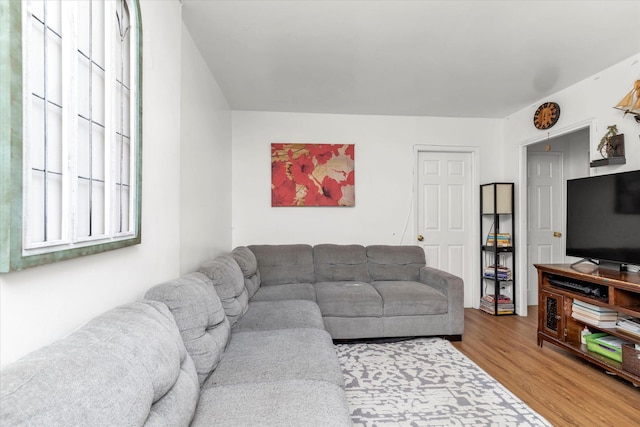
(497,255)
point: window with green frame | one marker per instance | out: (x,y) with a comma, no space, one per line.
(70,129)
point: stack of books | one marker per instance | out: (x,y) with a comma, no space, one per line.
(504,240)
(630,325)
(593,315)
(504,273)
(505,305)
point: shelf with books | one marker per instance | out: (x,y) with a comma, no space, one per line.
(593,315)
(608,321)
(497,248)
(563,315)
(504,304)
(500,272)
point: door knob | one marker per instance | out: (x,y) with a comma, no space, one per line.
(557,234)
(420,237)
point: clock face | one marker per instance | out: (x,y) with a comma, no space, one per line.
(546,115)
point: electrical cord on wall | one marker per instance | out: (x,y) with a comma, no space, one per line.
(412,195)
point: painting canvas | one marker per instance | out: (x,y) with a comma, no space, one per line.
(312,175)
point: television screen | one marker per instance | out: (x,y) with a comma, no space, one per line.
(603,217)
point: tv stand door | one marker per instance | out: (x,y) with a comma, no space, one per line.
(550,316)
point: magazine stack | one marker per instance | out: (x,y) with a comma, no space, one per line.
(505,304)
(503,272)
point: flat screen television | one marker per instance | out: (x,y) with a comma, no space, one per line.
(603,219)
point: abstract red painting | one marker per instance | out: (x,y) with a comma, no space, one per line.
(312,175)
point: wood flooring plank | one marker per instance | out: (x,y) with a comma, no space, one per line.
(563,388)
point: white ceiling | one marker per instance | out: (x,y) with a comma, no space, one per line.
(428,58)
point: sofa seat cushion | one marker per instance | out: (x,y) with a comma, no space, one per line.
(125,367)
(304,291)
(274,315)
(255,357)
(337,263)
(282,264)
(348,299)
(273,404)
(408,298)
(198,312)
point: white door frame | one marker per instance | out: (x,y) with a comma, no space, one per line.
(521,244)
(474,286)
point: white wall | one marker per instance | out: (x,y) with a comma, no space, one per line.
(41,304)
(384,163)
(205,166)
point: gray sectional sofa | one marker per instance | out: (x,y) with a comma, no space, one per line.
(246,340)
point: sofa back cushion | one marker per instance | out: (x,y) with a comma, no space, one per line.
(282,264)
(336,263)
(226,276)
(127,366)
(249,266)
(202,322)
(388,262)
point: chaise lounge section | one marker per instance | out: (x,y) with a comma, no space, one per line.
(282,372)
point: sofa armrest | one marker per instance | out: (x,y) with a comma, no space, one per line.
(453,287)
(441,280)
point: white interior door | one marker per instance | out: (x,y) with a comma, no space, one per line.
(545,227)
(445,214)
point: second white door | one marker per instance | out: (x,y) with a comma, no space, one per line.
(445,214)
(544,182)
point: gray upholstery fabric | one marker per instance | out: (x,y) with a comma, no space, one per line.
(126,367)
(336,263)
(433,324)
(410,298)
(249,265)
(272,315)
(200,317)
(274,404)
(227,278)
(286,354)
(348,299)
(345,328)
(304,291)
(282,264)
(453,287)
(395,262)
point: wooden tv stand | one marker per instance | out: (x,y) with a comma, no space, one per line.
(556,325)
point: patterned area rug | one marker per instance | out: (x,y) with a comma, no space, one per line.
(425,382)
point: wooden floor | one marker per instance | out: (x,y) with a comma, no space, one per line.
(563,388)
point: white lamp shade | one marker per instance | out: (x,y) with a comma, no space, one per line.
(503,194)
